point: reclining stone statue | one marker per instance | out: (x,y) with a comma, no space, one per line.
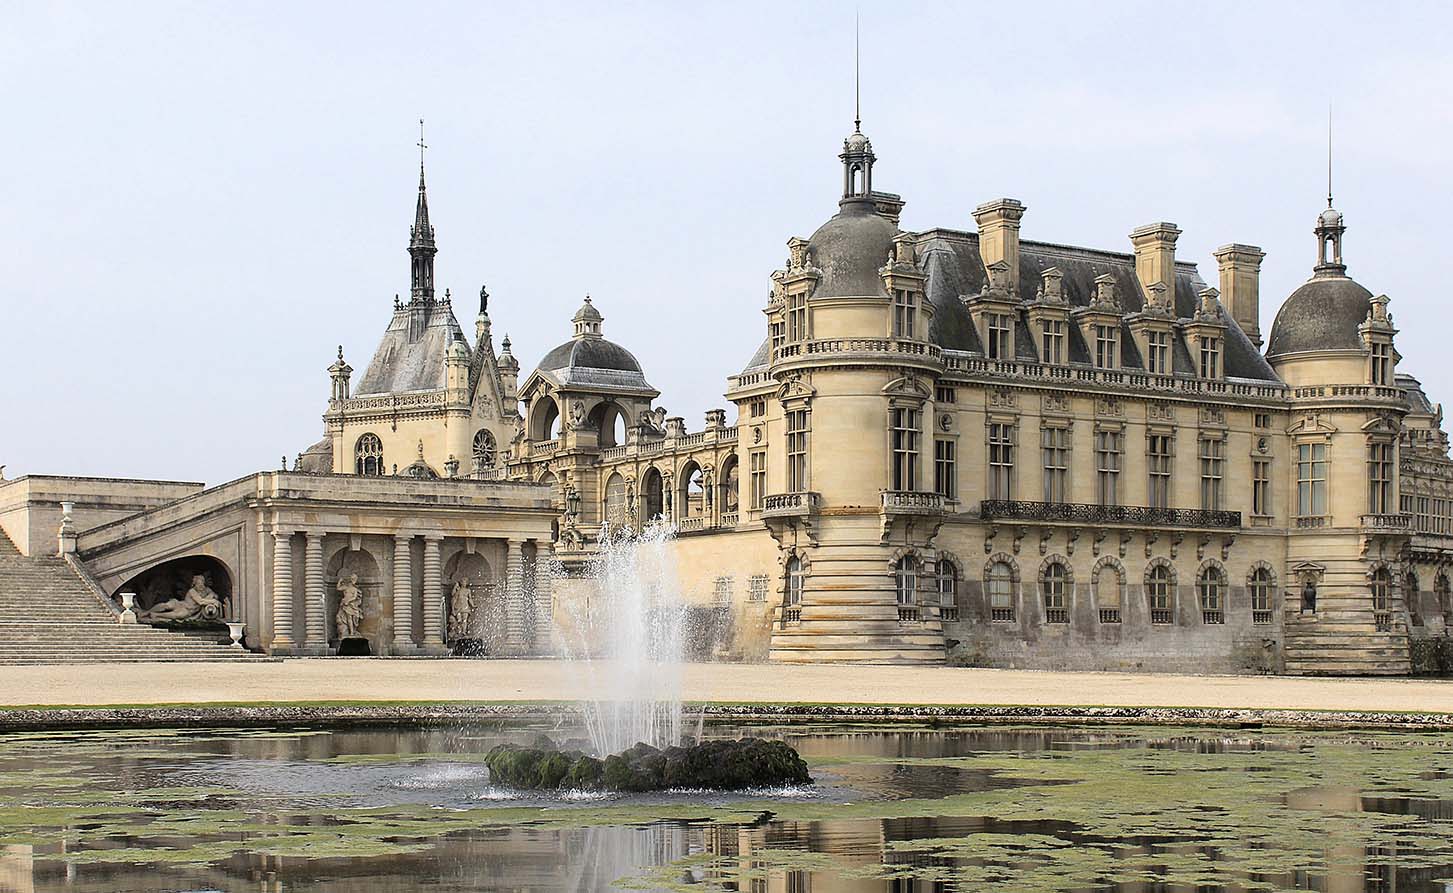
(197,603)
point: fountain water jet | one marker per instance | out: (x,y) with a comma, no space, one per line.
(628,636)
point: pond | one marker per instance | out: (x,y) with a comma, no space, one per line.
(894,808)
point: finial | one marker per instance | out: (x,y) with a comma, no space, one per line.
(396,301)
(340,353)
(1329,154)
(422,146)
(421,449)
(483,300)
(285,463)
(446,296)
(506,344)
(857,75)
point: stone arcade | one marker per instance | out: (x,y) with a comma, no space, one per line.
(1084,460)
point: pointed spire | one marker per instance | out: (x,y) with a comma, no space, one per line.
(421,238)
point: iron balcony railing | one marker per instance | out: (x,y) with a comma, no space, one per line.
(1080,513)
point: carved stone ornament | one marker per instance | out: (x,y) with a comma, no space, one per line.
(577,413)
(1213,415)
(1160,412)
(1053,402)
(1002,397)
(350,607)
(1109,406)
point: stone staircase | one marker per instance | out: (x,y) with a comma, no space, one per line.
(48,614)
(1343,643)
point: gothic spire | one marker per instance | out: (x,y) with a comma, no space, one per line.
(421,237)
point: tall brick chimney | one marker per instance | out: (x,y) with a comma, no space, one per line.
(1155,257)
(999,236)
(1240,267)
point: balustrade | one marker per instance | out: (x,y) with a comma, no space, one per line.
(1080,513)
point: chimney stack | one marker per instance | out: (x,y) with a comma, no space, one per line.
(999,236)
(1155,257)
(1240,267)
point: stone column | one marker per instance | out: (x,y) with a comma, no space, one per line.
(403,595)
(282,591)
(544,603)
(515,598)
(315,596)
(433,595)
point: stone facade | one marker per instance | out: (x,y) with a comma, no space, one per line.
(951,445)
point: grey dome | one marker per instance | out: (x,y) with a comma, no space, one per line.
(857,142)
(590,353)
(850,249)
(1323,314)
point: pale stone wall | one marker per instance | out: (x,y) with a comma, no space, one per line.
(30,507)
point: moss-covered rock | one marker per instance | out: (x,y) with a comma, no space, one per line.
(715,765)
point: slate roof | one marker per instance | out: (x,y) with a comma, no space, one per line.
(410,357)
(1324,313)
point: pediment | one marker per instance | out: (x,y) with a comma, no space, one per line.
(1312,423)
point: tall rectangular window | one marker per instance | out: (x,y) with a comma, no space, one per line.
(1053,341)
(1107,342)
(1311,480)
(1381,362)
(1157,353)
(997,343)
(798,421)
(1210,357)
(905,449)
(1107,467)
(1001,460)
(1379,477)
(797,317)
(779,334)
(1158,463)
(1056,444)
(945,474)
(757,468)
(1261,487)
(1213,460)
(905,313)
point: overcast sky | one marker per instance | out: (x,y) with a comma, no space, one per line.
(201,201)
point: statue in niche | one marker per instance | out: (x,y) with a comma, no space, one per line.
(1309,595)
(350,607)
(461,610)
(199,602)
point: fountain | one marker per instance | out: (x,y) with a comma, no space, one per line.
(627,634)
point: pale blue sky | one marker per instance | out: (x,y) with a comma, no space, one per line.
(200,201)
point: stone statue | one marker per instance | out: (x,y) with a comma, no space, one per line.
(461,610)
(350,607)
(197,603)
(1309,596)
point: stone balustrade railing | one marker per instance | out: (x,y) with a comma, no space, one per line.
(544,447)
(791,505)
(1389,523)
(912,502)
(828,347)
(1080,513)
(1130,378)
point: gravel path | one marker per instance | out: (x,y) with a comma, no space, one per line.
(373,680)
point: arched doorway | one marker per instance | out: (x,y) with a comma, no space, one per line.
(544,419)
(473,611)
(652,501)
(366,619)
(691,501)
(730,489)
(191,591)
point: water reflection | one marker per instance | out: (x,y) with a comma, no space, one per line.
(411,809)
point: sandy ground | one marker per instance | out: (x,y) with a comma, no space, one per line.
(341,679)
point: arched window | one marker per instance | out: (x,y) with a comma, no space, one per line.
(615,502)
(1445,599)
(484,450)
(368,455)
(653,496)
(906,573)
(691,502)
(796,581)
(1382,600)
(1158,590)
(948,591)
(1052,591)
(999,585)
(1211,589)
(1107,593)
(1413,598)
(729,486)
(1261,588)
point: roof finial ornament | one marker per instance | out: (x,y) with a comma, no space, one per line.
(422,146)
(340,353)
(1329,154)
(483,300)
(857,74)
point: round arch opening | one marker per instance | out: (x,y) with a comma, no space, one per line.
(196,589)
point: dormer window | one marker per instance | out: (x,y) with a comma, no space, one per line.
(1053,341)
(1211,358)
(797,317)
(905,313)
(1381,370)
(1157,353)
(1107,344)
(998,344)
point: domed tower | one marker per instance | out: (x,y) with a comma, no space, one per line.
(1332,343)
(586,395)
(845,446)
